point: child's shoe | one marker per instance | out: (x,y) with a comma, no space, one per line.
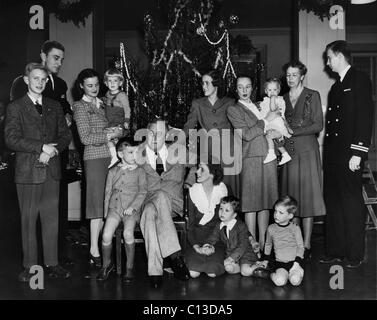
(285,157)
(128,276)
(103,274)
(261,273)
(271,156)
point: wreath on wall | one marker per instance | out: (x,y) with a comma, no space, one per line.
(71,10)
(320,8)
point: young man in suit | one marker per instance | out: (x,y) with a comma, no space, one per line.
(37,131)
(346,145)
(164,200)
(52,56)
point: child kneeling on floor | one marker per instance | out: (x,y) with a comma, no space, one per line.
(233,233)
(286,239)
(126,188)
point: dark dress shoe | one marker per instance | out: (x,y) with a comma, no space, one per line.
(261,273)
(66,262)
(156,281)
(103,274)
(57,272)
(179,268)
(307,254)
(95,261)
(330,259)
(354,264)
(25,275)
(129,276)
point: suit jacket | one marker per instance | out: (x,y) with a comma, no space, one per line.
(125,189)
(171,181)
(349,118)
(91,122)
(306,121)
(26,131)
(238,243)
(208,116)
(254,143)
(59,93)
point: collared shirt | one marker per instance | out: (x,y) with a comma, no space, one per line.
(126,166)
(152,157)
(98,101)
(35,101)
(343,73)
(229,225)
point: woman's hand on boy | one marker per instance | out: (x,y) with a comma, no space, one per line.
(208,249)
(197,248)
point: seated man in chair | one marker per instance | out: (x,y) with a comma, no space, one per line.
(165,178)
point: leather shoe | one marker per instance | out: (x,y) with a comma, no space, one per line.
(66,261)
(156,281)
(25,275)
(330,259)
(179,268)
(96,261)
(307,254)
(57,272)
(353,264)
(261,273)
(128,276)
(103,274)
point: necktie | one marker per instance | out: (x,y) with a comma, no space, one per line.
(38,107)
(159,164)
(224,229)
(52,82)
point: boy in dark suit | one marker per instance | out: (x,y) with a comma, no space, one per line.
(37,131)
(346,145)
(233,233)
(52,56)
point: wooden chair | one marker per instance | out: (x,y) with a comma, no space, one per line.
(179,222)
(370,197)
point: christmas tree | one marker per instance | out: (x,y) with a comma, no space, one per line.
(197,40)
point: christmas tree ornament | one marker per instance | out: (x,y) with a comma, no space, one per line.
(233,19)
(148,20)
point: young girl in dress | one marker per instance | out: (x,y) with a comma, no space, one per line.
(275,103)
(126,188)
(234,235)
(117,107)
(286,239)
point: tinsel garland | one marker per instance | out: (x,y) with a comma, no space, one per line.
(192,44)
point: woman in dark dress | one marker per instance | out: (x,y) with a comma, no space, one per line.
(302,177)
(204,203)
(210,112)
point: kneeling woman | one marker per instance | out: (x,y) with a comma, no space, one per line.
(204,202)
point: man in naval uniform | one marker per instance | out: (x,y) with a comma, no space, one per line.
(346,145)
